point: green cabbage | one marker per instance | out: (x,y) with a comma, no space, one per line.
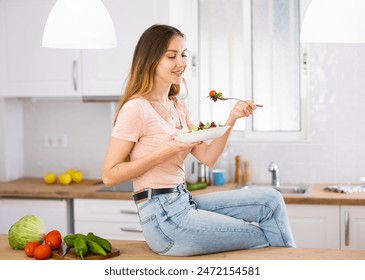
(28,229)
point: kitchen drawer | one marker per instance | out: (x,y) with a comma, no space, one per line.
(105,210)
(111,230)
(109,218)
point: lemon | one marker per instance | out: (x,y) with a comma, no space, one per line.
(71,170)
(65,179)
(77,176)
(50,178)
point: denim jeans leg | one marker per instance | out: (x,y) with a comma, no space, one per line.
(175,225)
(263,206)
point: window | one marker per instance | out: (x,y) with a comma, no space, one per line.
(250,50)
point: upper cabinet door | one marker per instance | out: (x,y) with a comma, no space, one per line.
(105,71)
(28,69)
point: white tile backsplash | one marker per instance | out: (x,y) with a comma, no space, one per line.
(86,125)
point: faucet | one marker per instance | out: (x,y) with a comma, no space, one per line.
(274,169)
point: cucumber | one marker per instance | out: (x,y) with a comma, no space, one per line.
(196,186)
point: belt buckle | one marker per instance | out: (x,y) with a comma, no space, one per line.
(149,194)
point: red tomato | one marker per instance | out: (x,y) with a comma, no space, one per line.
(42,252)
(30,247)
(55,231)
(54,240)
(212,93)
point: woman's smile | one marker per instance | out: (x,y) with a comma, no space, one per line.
(179,73)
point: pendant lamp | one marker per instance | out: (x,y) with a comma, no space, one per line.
(334,21)
(79,24)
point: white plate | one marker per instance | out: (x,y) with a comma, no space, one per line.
(203,135)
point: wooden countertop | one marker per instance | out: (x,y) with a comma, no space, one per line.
(138,250)
(36,188)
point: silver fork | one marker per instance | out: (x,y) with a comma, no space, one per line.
(232,98)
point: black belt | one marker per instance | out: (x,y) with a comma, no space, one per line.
(148,193)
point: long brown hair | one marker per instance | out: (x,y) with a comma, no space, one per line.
(150,48)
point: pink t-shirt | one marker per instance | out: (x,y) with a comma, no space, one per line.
(139,122)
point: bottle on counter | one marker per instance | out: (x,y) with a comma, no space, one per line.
(238,170)
(203,173)
(247,175)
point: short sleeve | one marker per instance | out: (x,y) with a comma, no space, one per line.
(130,122)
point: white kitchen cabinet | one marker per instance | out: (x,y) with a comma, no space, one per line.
(109,218)
(328,226)
(56,213)
(352,227)
(315,226)
(105,71)
(29,70)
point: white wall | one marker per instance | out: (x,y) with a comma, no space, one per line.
(86,125)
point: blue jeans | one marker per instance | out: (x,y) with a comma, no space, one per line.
(177,224)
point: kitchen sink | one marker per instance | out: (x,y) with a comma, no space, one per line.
(124,187)
(301,189)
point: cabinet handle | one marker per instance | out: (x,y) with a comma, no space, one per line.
(131,229)
(74,74)
(305,61)
(193,63)
(347,228)
(128,212)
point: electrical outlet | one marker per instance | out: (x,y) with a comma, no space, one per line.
(55,141)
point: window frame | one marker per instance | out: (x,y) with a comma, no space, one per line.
(250,135)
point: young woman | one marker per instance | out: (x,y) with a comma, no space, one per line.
(143,149)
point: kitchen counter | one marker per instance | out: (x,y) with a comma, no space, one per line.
(138,250)
(36,188)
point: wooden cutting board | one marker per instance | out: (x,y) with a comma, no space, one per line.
(71,255)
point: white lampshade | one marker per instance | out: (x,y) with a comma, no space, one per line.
(79,24)
(334,21)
